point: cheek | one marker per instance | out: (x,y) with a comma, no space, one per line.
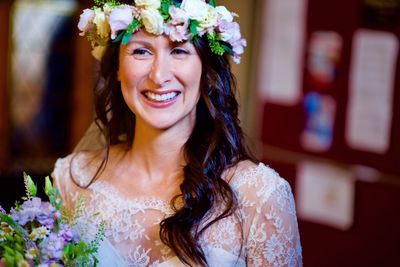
(192,76)
(129,76)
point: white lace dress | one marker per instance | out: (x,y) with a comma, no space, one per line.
(264,231)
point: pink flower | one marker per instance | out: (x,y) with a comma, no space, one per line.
(238,49)
(120,18)
(177,33)
(177,30)
(178,15)
(238,46)
(84,21)
(229,31)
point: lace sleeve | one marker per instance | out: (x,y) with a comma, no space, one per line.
(61,176)
(270,225)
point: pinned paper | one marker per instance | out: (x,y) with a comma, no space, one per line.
(324,54)
(325,194)
(320,115)
(281,59)
(371,89)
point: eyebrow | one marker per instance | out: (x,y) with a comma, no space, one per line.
(147,43)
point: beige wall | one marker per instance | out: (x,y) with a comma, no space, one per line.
(244,72)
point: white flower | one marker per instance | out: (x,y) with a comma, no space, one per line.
(224,13)
(84,20)
(153,21)
(103,28)
(120,18)
(98,52)
(39,233)
(196,9)
(148,4)
(209,20)
(31,253)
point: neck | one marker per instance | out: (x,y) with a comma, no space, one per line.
(158,153)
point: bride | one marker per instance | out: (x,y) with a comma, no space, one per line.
(173,181)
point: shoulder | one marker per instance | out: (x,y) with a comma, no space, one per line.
(72,174)
(78,166)
(259,184)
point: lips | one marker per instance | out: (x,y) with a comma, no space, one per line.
(160,99)
(161,96)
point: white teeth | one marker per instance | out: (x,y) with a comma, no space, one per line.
(162,97)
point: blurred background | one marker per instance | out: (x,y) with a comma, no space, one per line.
(319,88)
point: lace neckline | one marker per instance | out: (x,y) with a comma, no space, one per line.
(112,194)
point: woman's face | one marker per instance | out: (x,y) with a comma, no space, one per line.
(160,80)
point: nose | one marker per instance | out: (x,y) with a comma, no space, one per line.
(160,72)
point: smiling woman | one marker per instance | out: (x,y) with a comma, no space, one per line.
(174,181)
(160,81)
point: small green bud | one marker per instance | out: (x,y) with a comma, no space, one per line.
(48,186)
(30,186)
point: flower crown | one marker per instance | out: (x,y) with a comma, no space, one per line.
(181,21)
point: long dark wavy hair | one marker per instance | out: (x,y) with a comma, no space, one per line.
(215,144)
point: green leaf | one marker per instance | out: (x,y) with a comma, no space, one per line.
(17,228)
(227,49)
(135,24)
(193,27)
(9,238)
(30,186)
(119,37)
(9,260)
(164,9)
(48,187)
(215,45)
(110,2)
(18,257)
(9,250)
(19,247)
(212,3)
(126,38)
(177,3)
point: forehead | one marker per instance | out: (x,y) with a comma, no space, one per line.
(144,37)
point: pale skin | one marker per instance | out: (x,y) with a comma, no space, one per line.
(154,64)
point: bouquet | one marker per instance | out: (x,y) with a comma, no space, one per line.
(41,233)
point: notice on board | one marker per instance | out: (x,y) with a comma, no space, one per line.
(325,194)
(371,88)
(281,52)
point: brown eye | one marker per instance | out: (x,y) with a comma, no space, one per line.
(141,52)
(180,51)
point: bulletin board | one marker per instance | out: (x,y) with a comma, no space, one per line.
(347,105)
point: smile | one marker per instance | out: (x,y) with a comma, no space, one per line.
(161,97)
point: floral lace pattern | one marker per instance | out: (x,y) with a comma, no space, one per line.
(262,232)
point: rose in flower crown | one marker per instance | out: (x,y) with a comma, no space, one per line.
(111,21)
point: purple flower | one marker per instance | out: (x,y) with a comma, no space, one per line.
(46,215)
(27,213)
(66,233)
(33,209)
(52,247)
(2,210)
